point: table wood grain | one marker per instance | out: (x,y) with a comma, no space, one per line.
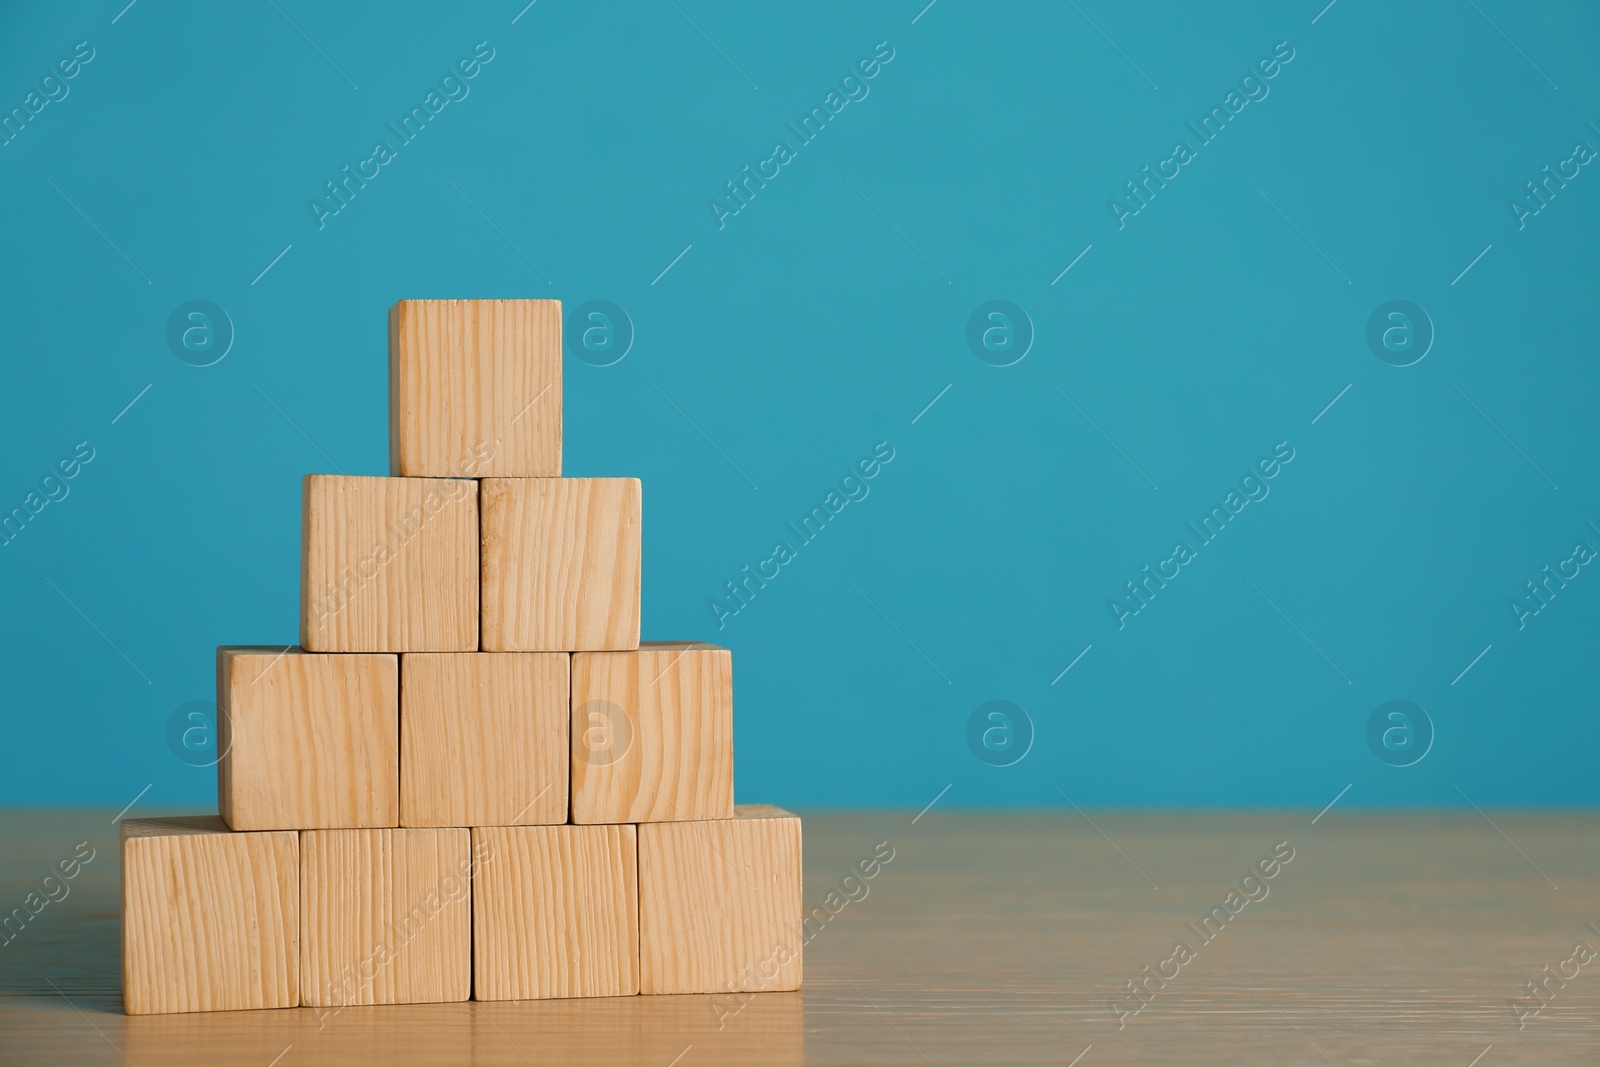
(1005,938)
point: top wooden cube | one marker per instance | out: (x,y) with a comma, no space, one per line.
(475,388)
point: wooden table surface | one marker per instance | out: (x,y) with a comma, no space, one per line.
(988,938)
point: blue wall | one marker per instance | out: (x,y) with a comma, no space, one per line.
(1190,340)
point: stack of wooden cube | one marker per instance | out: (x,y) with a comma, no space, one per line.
(470,779)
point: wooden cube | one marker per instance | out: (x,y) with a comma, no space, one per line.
(389,565)
(560,564)
(309,741)
(719,903)
(384,917)
(555,912)
(475,388)
(652,734)
(484,738)
(210,919)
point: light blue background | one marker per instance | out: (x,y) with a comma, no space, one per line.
(809,329)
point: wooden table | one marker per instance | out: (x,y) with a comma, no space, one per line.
(989,938)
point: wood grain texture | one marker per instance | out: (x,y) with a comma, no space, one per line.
(475,388)
(484,738)
(555,912)
(389,565)
(561,564)
(652,734)
(385,917)
(719,904)
(210,919)
(308,741)
(1393,938)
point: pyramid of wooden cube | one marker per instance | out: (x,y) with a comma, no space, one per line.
(470,779)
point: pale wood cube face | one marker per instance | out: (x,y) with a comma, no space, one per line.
(555,912)
(309,741)
(385,917)
(719,904)
(389,565)
(475,388)
(210,919)
(484,738)
(652,734)
(561,564)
